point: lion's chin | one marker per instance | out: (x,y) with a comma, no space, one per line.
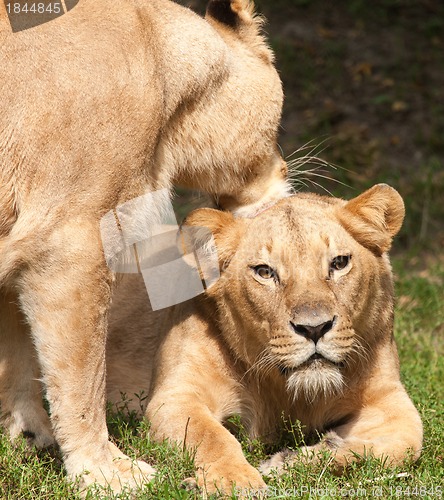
(316,380)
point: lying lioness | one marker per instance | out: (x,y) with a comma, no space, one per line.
(110,101)
(299,323)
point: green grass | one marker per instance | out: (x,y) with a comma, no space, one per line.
(324,92)
(419,328)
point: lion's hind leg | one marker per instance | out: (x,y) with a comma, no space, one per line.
(22,411)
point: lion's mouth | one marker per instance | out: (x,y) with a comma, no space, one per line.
(316,360)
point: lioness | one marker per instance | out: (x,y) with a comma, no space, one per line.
(99,106)
(299,323)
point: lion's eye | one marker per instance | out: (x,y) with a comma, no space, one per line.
(265,272)
(340,262)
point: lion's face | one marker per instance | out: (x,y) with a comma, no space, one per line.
(304,280)
(305,290)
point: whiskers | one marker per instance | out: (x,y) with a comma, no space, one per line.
(313,379)
(309,156)
(309,382)
(360,352)
(263,365)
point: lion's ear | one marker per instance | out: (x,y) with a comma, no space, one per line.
(239,16)
(374,217)
(232,13)
(207,225)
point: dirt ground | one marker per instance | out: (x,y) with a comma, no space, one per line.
(364,85)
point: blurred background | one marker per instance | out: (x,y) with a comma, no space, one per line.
(364,92)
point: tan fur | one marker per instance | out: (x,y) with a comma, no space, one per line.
(110,101)
(245,347)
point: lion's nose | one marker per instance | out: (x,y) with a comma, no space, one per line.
(314,332)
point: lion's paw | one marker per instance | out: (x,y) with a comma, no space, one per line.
(307,455)
(276,463)
(33,424)
(117,473)
(244,479)
(189,484)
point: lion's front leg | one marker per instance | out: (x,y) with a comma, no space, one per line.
(219,458)
(65,296)
(389,428)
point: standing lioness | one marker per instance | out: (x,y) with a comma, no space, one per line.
(109,101)
(300,323)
